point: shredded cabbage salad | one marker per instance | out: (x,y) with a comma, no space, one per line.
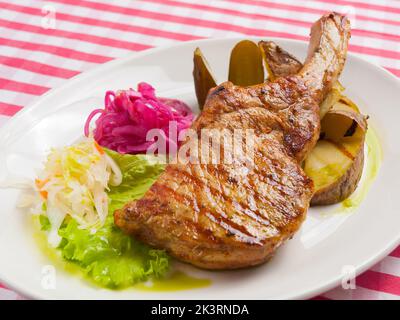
(81,185)
(74,183)
(128,116)
(76,195)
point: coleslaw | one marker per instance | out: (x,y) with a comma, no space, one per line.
(73,184)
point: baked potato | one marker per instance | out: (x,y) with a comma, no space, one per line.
(336,163)
(278,62)
(246,64)
(203,77)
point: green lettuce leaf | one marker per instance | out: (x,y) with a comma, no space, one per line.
(139,173)
(44,223)
(109,257)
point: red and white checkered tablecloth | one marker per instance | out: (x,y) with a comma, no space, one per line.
(44,43)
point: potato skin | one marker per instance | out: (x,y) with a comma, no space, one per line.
(344,186)
(202,76)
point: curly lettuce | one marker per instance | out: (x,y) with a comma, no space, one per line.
(109,257)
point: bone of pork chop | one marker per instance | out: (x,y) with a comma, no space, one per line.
(226,216)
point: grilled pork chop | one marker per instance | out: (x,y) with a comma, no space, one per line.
(234,215)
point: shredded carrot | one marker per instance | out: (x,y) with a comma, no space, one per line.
(44,194)
(99,149)
(40,183)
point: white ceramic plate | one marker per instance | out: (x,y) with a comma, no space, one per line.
(309,264)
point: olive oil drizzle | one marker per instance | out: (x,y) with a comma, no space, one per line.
(374,159)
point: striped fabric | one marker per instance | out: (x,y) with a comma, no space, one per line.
(44,43)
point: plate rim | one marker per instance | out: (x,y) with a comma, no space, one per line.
(98,68)
(305,294)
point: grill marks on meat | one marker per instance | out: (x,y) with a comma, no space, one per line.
(233,215)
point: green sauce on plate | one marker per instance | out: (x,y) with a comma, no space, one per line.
(371,169)
(109,258)
(176,281)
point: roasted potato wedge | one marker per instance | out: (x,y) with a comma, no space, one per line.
(336,162)
(203,77)
(278,62)
(246,64)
